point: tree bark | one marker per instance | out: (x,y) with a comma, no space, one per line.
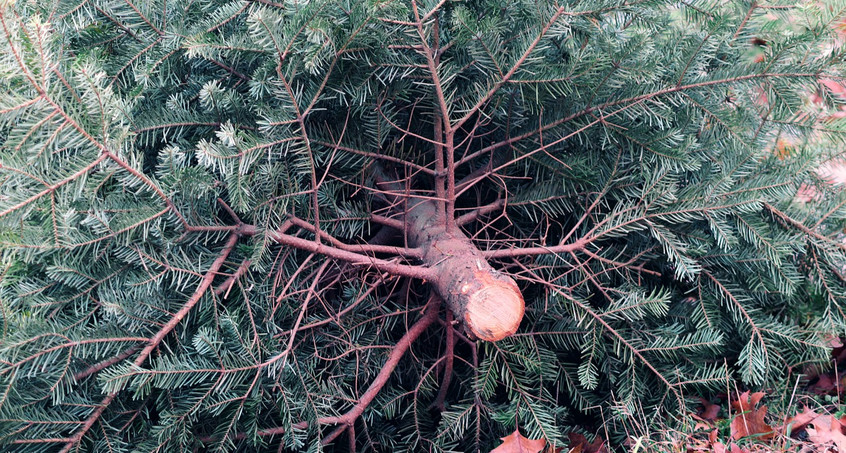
(487,301)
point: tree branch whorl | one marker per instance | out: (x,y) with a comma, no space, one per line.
(488,301)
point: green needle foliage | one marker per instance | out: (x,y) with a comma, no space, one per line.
(196,257)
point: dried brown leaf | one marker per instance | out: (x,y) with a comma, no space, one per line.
(516,443)
(825,430)
(799,421)
(579,444)
(750,419)
(821,429)
(710,411)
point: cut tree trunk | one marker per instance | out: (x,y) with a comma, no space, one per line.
(488,301)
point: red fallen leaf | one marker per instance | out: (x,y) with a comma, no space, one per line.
(719,447)
(827,384)
(709,410)
(712,436)
(750,419)
(698,445)
(746,402)
(800,420)
(516,443)
(824,385)
(821,429)
(826,429)
(579,444)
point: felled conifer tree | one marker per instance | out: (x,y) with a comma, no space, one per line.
(263,225)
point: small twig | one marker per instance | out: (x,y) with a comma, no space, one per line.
(479,212)
(157,339)
(397,352)
(532,251)
(230,282)
(449,355)
(358,248)
(309,295)
(351,437)
(357,259)
(801,227)
(105,363)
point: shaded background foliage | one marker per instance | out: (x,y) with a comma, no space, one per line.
(639,133)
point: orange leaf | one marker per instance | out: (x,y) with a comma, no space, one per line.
(750,420)
(516,443)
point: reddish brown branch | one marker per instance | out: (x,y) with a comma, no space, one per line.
(531,251)
(431,55)
(449,355)
(353,258)
(358,248)
(746,18)
(198,294)
(351,437)
(801,227)
(404,343)
(309,296)
(335,433)
(337,317)
(450,186)
(387,221)
(440,170)
(49,440)
(229,282)
(157,339)
(397,352)
(74,440)
(373,155)
(479,212)
(96,368)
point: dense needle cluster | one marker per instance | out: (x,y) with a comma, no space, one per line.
(205,241)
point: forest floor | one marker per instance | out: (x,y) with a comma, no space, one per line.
(806,413)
